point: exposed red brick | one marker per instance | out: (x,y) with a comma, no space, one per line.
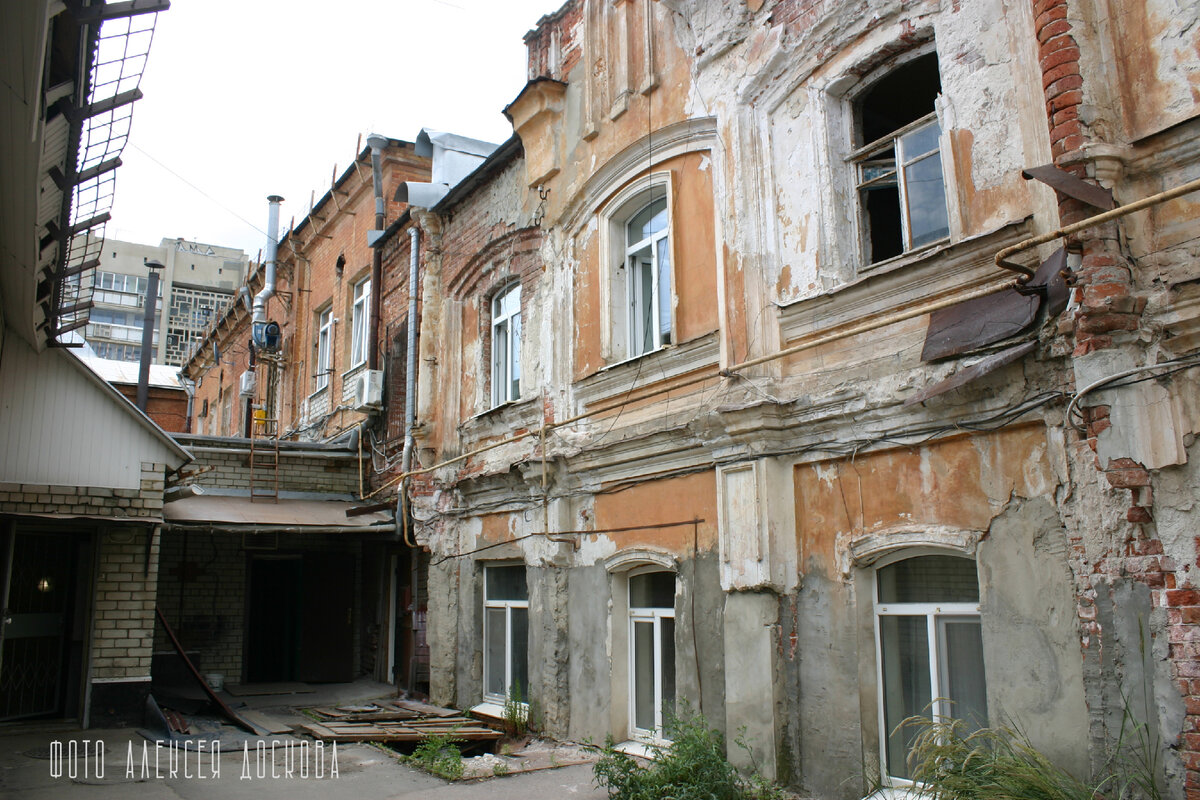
(1137,514)
(1066,56)
(1183,597)
(1055,28)
(1107,322)
(1054,12)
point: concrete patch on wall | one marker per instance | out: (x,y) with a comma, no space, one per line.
(1031,631)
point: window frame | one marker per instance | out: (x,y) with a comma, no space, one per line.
(636,319)
(861,154)
(615,216)
(503,329)
(324,345)
(935,613)
(507,606)
(653,615)
(360,329)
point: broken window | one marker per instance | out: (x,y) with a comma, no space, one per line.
(651,653)
(901,189)
(505,634)
(930,651)
(506,345)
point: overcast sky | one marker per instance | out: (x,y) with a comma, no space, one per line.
(247,98)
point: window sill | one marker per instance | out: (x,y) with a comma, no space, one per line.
(901,792)
(899,282)
(907,257)
(319,392)
(359,367)
(488,709)
(495,414)
(658,365)
(666,348)
(639,748)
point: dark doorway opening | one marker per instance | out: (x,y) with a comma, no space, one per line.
(43,615)
(300,618)
(273,629)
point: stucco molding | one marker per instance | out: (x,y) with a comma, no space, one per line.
(939,272)
(868,549)
(671,361)
(634,557)
(676,139)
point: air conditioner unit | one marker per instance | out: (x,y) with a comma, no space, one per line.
(368,390)
(246,386)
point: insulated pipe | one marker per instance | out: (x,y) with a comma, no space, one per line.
(258,312)
(1002,258)
(410,371)
(377,144)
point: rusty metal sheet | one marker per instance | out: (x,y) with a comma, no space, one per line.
(1050,274)
(978,370)
(1065,183)
(975,323)
(985,320)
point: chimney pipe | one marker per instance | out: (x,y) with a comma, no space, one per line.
(377,143)
(258,316)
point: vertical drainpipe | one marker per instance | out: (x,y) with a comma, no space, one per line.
(377,143)
(410,374)
(410,369)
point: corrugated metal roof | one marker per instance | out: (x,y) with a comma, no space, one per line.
(115,371)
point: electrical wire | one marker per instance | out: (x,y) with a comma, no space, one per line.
(1115,381)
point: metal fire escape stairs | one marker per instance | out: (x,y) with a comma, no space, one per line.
(264,458)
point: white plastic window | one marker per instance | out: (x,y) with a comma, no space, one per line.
(324,339)
(506,345)
(930,651)
(360,323)
(648,283)
(651,653)
(505,634)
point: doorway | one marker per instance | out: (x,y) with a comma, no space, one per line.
(300,618)
(273,629)
(38,595)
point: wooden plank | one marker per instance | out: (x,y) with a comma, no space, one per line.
(426,709)
(267,723)
(395,732)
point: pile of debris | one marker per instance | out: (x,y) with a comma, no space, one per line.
(394,721)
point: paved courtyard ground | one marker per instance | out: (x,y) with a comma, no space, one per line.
(29,764)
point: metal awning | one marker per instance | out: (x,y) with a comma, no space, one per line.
(239,514)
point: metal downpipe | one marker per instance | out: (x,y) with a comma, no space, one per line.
(410,376)
(258,313)
(377,143)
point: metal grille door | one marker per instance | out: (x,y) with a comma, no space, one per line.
(39,570)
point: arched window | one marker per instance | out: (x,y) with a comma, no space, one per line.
(506,345)
(930,650)
(648,285)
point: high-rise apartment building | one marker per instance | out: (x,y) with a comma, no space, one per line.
(196,282)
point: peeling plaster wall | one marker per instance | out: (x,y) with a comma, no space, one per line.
(1085,544)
